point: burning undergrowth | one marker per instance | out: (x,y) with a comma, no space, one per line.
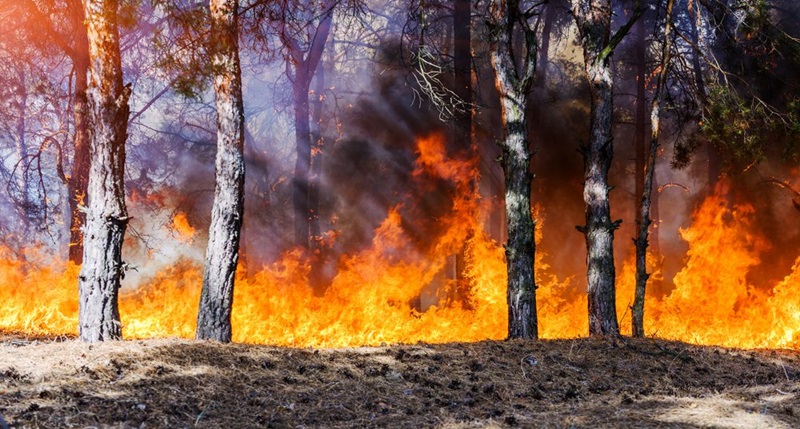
(373,297)
(398,205)
(376,294)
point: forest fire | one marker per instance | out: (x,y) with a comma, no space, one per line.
(370,301)
(375,296)
(368,213)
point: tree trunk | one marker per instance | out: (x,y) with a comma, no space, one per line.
(78,182)
(73,42)
(640,124)
(520,249)
(24,202)
(462,65)
(222,253)
(544,50)
(302,167)
(721,19)
(714,157)
(594,21)
(639,143)
(107,217)
(304,66)
(513,90)
(655,242)
(644,221)
(315,180)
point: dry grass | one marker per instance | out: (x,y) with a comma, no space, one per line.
(565,383)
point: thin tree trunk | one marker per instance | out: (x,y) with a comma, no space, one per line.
(544,50)
(594,21)
(655,242)
(302,167)
(644,225)
(535,106)
(76,46)
(107,217)
(723,23)
(639,144)
(222,253)
(714,157)
(640,124)
(78,183)
(304,66)
(513,90)
(315,181)
(73,42)
(462,65)
(22,150)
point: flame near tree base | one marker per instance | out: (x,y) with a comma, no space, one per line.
(371,299)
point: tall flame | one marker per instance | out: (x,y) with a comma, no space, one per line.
(712,302)
(373,298)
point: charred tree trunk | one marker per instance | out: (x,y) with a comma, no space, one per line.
(303,65)
(107,216)
(315,181)
(222,253)
(79,180)
(593,18)
(721,16)
(462,65)
(24,202)
(74,43)
(644,221)
(639,143)
(512,87)
(714,157)
(655,215)
(640,124)
(302,167)
(544,50)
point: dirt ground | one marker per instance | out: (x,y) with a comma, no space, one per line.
(593,383)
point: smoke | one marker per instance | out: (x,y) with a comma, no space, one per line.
(370,170)
(368,165)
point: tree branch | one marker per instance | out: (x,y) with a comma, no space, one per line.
(638,11)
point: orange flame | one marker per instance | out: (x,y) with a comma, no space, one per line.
(181,225)
(712,302)
(373,298)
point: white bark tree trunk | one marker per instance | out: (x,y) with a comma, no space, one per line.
(593,18)
(107,216)
(513,87)
(222,253)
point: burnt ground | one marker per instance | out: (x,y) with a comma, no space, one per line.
(49,382)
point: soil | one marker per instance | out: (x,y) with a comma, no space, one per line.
(598,382)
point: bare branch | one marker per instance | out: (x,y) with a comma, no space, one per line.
(426,74)
(672,185)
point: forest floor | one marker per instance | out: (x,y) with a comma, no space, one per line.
(46,382)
